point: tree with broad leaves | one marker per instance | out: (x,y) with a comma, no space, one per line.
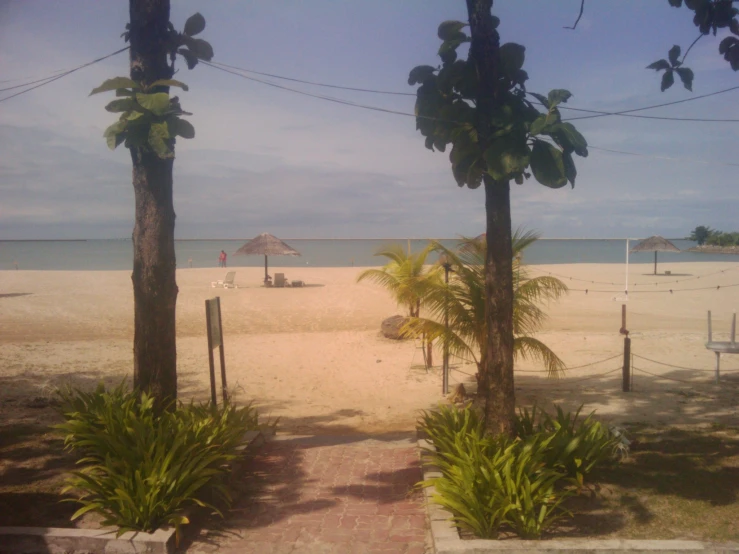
(150,121)
(481,107)
(709,16)
(701,234)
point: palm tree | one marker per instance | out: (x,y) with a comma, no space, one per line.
(407,279)
(463,299)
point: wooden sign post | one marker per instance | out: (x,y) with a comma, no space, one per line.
(215,338)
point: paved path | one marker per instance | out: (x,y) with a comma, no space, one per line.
(327,494)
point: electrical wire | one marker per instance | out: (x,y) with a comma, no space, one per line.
(43,82)
(407,114)
(596,113)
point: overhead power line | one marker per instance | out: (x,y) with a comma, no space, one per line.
(408,114)
(42,82)
(596,113)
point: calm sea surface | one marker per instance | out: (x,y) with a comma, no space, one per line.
(117,254)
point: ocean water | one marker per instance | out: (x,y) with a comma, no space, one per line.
(117,254)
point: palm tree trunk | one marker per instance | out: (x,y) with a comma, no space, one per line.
(496,376)
(154,286)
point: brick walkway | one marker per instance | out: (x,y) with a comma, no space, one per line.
(332,495)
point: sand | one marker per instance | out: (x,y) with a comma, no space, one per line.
(314,356)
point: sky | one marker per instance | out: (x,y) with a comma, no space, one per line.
(271,160)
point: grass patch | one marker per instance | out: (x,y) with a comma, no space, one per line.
(676,484)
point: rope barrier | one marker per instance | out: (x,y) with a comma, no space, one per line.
(718,287)
(670,378)
(678,366)
(635,284)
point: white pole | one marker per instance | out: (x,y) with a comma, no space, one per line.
(626,285)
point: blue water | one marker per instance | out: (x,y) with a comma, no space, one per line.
(117,254)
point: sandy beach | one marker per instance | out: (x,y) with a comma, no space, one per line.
(314,357)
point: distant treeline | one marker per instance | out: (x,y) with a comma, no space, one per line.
(705,235)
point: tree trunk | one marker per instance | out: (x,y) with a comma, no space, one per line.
(497,358)
(496,375)
(154,285)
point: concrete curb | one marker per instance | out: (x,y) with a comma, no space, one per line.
(446,540)
(55,540)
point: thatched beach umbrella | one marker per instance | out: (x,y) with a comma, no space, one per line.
(266,245)
(656,244)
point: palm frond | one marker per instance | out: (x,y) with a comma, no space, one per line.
(531,348)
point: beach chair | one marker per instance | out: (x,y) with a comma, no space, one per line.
(280,280)
(227,282)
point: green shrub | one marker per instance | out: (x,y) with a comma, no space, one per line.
(489,483)
(142,470)
(576,446)
(445,425)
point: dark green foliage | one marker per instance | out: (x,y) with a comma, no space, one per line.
(446,115)
(719,238)
(701,234)
(495,483)
(709,16)
(142,470)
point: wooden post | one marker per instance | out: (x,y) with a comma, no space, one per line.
(718,366)
(655,262)
(211,362)
(627,365)
(222,353)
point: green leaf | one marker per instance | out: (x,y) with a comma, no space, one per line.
(180,127)
(659,65)
(674,55)
(538,125)
(567,133)
(505,157)
(121,92)
(450,45)
(419,74)
(734,26)
(668,79)
(686,76)
(114,134)
(557,96)
(201,48)
(541,98)
(570,169)
(190,59)
(512,56)
(116,83)
(675,3)
(194,25)
(158,136)
(120,105)
(450,29)
(448,57)
(169,83)
(548,165)
(157,103)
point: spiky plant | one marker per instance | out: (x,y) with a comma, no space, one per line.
(463,300)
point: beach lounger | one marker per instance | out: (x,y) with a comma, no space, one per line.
(280,280)
(227,282)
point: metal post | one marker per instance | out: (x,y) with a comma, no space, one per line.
(718,366)
(627,365)
(710,333)
(265,269)
(445,363)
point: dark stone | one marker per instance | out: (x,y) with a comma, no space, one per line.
(391,327)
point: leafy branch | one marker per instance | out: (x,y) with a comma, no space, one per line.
(447,115)
(149,118)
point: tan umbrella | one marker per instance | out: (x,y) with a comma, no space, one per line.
(656,244)
(266,245)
